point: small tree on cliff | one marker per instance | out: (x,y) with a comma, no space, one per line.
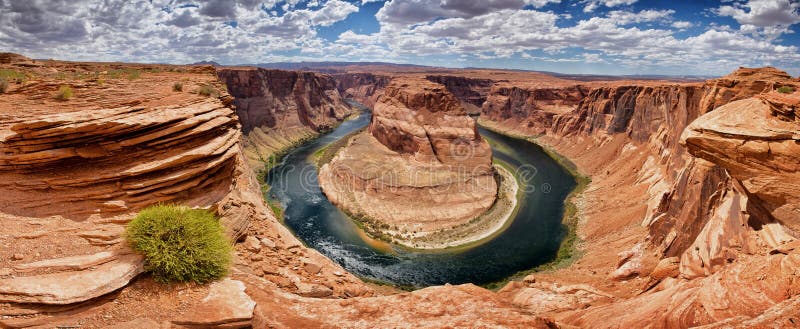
(180,244)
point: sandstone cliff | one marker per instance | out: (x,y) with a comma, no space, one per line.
(531,109)
(422,167)
(280,108)
(364,88)
(75,171)
(705,221)
(471,92)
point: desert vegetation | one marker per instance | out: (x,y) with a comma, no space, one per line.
(130,74)
(177,87)
(207,90)
(180,244)
(785,90)
(64,93)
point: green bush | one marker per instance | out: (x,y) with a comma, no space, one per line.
(11,75)
(177,86)
(130,74)
(64,93)
(3,85)
(207,90)
(786,90)
(180,244)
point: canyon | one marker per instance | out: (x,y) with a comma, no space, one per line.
(690,219)
(421,168)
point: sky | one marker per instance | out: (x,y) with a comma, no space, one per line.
(616,37)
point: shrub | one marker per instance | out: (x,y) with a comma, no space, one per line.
(180,244)
(134,74)
(3,85)
(177,86)
(786,90)
(11,75)
(130,74)
(64,93)
(207,90)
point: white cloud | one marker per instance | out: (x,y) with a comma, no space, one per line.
(682,24)
(591,5)
(763,12)
(167,30)
(626,17)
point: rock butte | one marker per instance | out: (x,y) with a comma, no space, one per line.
(422,167)
(690,220)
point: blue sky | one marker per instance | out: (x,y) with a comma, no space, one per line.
(583,36)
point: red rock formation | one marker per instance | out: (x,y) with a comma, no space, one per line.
(712,220)
(76,171)
(757,146)
(423,167)
(362,87)
(421,118)
(471,92)
(266,98)
(279,108)
(531,109)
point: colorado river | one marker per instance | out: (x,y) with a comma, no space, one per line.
(530,240)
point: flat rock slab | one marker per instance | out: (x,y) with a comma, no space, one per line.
(72,287)
(226,306)
(69,263)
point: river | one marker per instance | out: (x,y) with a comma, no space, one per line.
(531,239)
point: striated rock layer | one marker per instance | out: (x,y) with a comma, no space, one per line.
(422,167)
(364,88)
(471,92)
(692,236)
(280,108)
(75,171)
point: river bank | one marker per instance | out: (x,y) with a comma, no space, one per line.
(568,251)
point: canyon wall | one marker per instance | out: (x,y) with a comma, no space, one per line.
(531,109)
(364,88)
(470,91)
(75,171)
(699,207)
(280,108)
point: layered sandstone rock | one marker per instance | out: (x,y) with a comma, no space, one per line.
(75,171)
(758,142)
(280,108)
(422,167)
(431,307)
(471,92)
(708,231)
(364,88)
(530,109)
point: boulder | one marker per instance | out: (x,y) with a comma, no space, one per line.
(226,306)
(72,287)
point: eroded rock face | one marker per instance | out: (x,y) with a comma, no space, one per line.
(710,221)
(531,109)
(114,160)
(422,167)
(365,88)
(426,308)
(72,287)
(471,92)
(279,108)
(758,147)
(266,98)
(422,119)
(75,171)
